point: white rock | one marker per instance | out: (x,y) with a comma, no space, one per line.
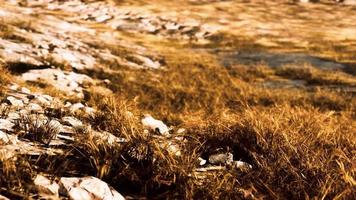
(89,111)
(34,107)
(46,186)
(103,18)
(6,125)
(241,164)
(201,161)
(25,90)
(43,101)
(4,138)
(155,125)
(148,62)
(71,121)
(88,188)
(76,107)
(14,101)
(13,116)
(14,87)
(8,139)
(181,130)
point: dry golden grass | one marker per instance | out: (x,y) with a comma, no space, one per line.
(300,142)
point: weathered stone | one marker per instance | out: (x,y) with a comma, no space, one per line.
(89,111)
(14,101)
(13,116)
(42,100)
(71,121)
(25,90)
(148,62)
(75,107)
(6,125)
(7,138)
(241,165)
(88,188)
(155,125)
(34,107)
(46,186)
(69,82)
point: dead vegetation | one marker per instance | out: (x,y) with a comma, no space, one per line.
(299,141)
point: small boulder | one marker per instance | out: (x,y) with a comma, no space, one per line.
(34,107)
(87,188)
(155,125)
(42,100)
(77,106)
(7,139)
(6,125)
(46,186)
(14,101)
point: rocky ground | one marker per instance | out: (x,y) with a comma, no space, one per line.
(179,99)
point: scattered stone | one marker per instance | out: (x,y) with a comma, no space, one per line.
(75,107)
(6,125)
(88,188)
(181,130)
(147,62)
(13,116)
(71,121)
(34,107)
(69,82)
(46,186)
(14,87)
(241,165)
(4,138)
(7,138)
(221,158)
(43,101)
(14,101)
(201,161)
(89,111)
(25,90)
(155,125)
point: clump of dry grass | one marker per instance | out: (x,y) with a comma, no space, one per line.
(38,129)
